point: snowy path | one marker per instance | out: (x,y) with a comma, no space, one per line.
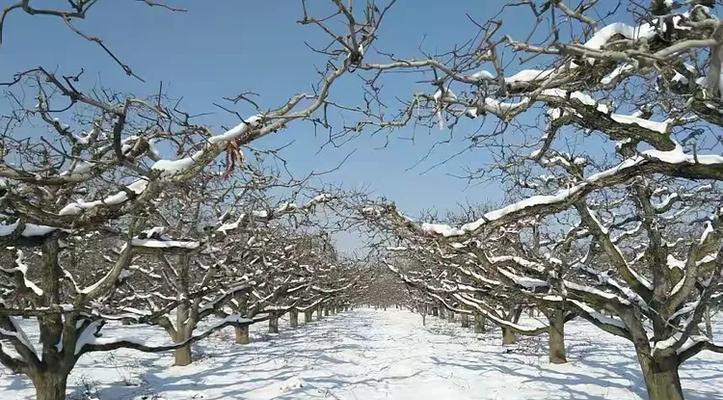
(380,355)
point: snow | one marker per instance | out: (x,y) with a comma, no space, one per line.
(87,336)
(229,226)
(29,230)
(172,167)
(599,316)
(80,167)
(524,281)
(613,76)
(19,333)
(75,208)
(7,229)
(678,156)
(528,75)
(448,95)
(322,198)
(260,213)
(22,268)
(498,107)
(675,156)
(660,127)
(483,75)
(441,229)
(675,263)
(583,98)
(680,78)
(165,244)
(514,207)
(168,168)
(367,354)
(37,230)
(238,130)
(601,37)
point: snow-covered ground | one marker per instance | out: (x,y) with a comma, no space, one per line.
(367,354)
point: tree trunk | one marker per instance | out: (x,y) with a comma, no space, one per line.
(508,336)
(182,356)
(442,312)
(450,316)
(326,311)
(50,385)
(465,321)
(479,323)
(319,312)
(274,324)
(293,318)
(308,316)
(661,377)
(556,337)
(435,312)
(242,334)
(708,324)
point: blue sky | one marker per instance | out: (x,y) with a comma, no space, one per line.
(220,48)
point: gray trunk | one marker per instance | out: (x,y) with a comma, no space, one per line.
(556,336)
(308,316)
(661,377)
(50,385)
(182,356)
(319,312)
(465,321)
(508,336)
(242,334)
(479,323)
(274,324)
(293,318)
(450,316)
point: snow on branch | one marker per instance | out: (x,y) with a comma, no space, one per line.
(674,162)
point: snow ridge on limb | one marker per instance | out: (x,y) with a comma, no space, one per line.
(649,162)
(446,295)
(90,339)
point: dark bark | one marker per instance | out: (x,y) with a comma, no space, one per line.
(50,385)
(465,321)
(556,337)
(274,324)
(479,323)
(661,376)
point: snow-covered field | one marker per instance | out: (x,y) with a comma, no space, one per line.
(367,354)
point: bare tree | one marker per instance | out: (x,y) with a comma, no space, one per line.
(596,227)
(110,158)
